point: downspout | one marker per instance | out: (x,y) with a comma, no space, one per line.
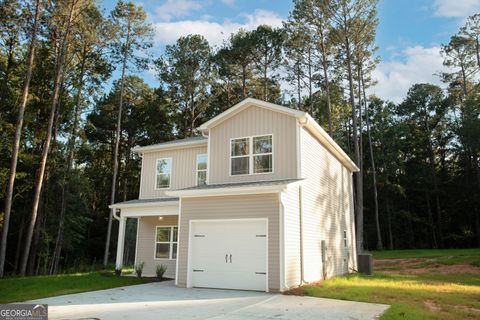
(302,121)
(117,217)
(300,215)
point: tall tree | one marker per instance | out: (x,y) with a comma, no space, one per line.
(267,55)
(320,17)
(18,134)
(350,18)
(65,12)
(91,69)
(131,34)
(185,71)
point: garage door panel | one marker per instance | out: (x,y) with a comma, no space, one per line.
(229,254)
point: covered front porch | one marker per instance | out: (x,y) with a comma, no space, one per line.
(156,236)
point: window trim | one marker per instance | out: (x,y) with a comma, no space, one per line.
(170,177)
(170,242)
(250,156)
(198,170)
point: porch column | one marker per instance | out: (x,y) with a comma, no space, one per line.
(121,242)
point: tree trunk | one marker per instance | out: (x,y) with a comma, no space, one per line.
(115,154)
(327,83)
(430,221)
(244,82)
(299,88)
(68,168)
(374,171)
(18,133)
(48,137)
(389,222)
(310,90)
(436,191)
(358,175)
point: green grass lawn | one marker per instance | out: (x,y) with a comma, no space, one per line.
(432,290)
(18,289)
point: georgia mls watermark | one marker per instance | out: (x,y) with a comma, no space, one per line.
(23,311)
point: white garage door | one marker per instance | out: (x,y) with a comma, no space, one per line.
(229,254)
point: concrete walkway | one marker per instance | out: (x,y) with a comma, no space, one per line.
(165,301)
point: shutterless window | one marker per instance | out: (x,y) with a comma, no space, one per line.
(240,156)
(166,239)
(251,155)
(262,154)
(164,172)
(201,169)
(344,238)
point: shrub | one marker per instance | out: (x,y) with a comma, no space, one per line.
(139,269)
(160,271)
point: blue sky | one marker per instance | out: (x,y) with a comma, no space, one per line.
(409,34)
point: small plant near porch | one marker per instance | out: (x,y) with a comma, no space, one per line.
(160,271)
(139,269)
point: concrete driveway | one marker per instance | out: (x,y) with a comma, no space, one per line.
(165,301)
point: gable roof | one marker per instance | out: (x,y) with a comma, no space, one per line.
(304,119)
(248,102)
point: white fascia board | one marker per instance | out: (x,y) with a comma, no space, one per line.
(143,205)
(169,146)
(309,123)
(229,191)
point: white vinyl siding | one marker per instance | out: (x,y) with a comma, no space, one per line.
(253,206)
(184,162)
(146,245)
(253,121)
(327,211)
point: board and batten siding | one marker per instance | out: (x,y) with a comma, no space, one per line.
(327,206)
(254,121)
(232,207)
(146,245)
(184,169)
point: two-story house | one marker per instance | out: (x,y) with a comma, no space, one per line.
(262,200)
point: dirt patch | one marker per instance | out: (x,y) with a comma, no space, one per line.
(432,306)
(419,265)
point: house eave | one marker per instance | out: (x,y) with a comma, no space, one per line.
(245,104)
(231,191)
(144,205)
(153,148)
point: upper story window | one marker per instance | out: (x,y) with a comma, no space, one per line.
(201,169)
(164,173)
(251,155)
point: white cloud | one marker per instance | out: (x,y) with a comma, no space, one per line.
(456,8)
(420,65)
(176,8)
(167,32)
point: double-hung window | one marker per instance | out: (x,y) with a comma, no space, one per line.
(240,156)
(251,155)
(201,169)
(166,239)
(164,173)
